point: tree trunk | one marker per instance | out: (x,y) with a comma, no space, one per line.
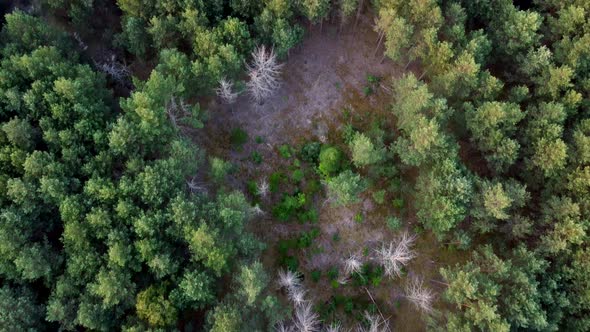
(358,14)
(381,34)
(424,73)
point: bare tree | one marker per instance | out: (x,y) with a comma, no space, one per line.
(225,91)
(195,187)
(118,71)
(178,111)
(419,295)
(352,264)
(264,72)
(289,279)
(306,320)
(395,256)
(297,295)
(263,188)
(257,211)
(334,327)
(283,327)
(376,324)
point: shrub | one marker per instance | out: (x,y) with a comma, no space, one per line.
(398,203)
(394,223)
(275,181)
(285,151)
(297,175)
(310,152)
(288,206)
(259,139)
(379,196)
(316,275)
(358,218)
(238,137)
(307,238)
(330,160)
(219,169)
(256,157)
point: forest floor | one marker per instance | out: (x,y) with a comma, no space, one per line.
(323,88)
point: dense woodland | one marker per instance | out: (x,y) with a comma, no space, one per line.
(115,216)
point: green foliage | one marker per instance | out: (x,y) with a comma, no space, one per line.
(289,206)
(285,151)
(364,151)
(345,188)
(238,137)
(275,181)
(219,169)
(256,157)
(297,175)
(393,223)
(98,227)
(492,124)
(379,196)
(310,152)
(316,275)
(330,160)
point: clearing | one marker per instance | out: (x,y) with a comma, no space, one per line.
(324,88)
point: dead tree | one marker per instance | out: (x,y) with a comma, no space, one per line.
(306,320)
(289,279)
(262,187)
(419,295)
(117,71)
(393,257)
(352,264)
(178,112)
(225,91)
(264,72)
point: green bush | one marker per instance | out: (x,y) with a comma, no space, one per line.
(379,196)
(394,223)
(330,160)
(285,151)
(275,181)
(398,203)
(310,152)
(289,206)
(238,137)
(358,218)
(297,175)
(316,275)
(256,157)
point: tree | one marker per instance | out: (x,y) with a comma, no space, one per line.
(496,202)
(364,151)
(345,187)
(418,114)
(315,10)
(492,126)
(19,309)
(443,194)
(486,300)
(252,281)
(330,159)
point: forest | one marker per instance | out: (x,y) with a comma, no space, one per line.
(295,165)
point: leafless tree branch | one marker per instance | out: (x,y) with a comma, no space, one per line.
(264,72)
